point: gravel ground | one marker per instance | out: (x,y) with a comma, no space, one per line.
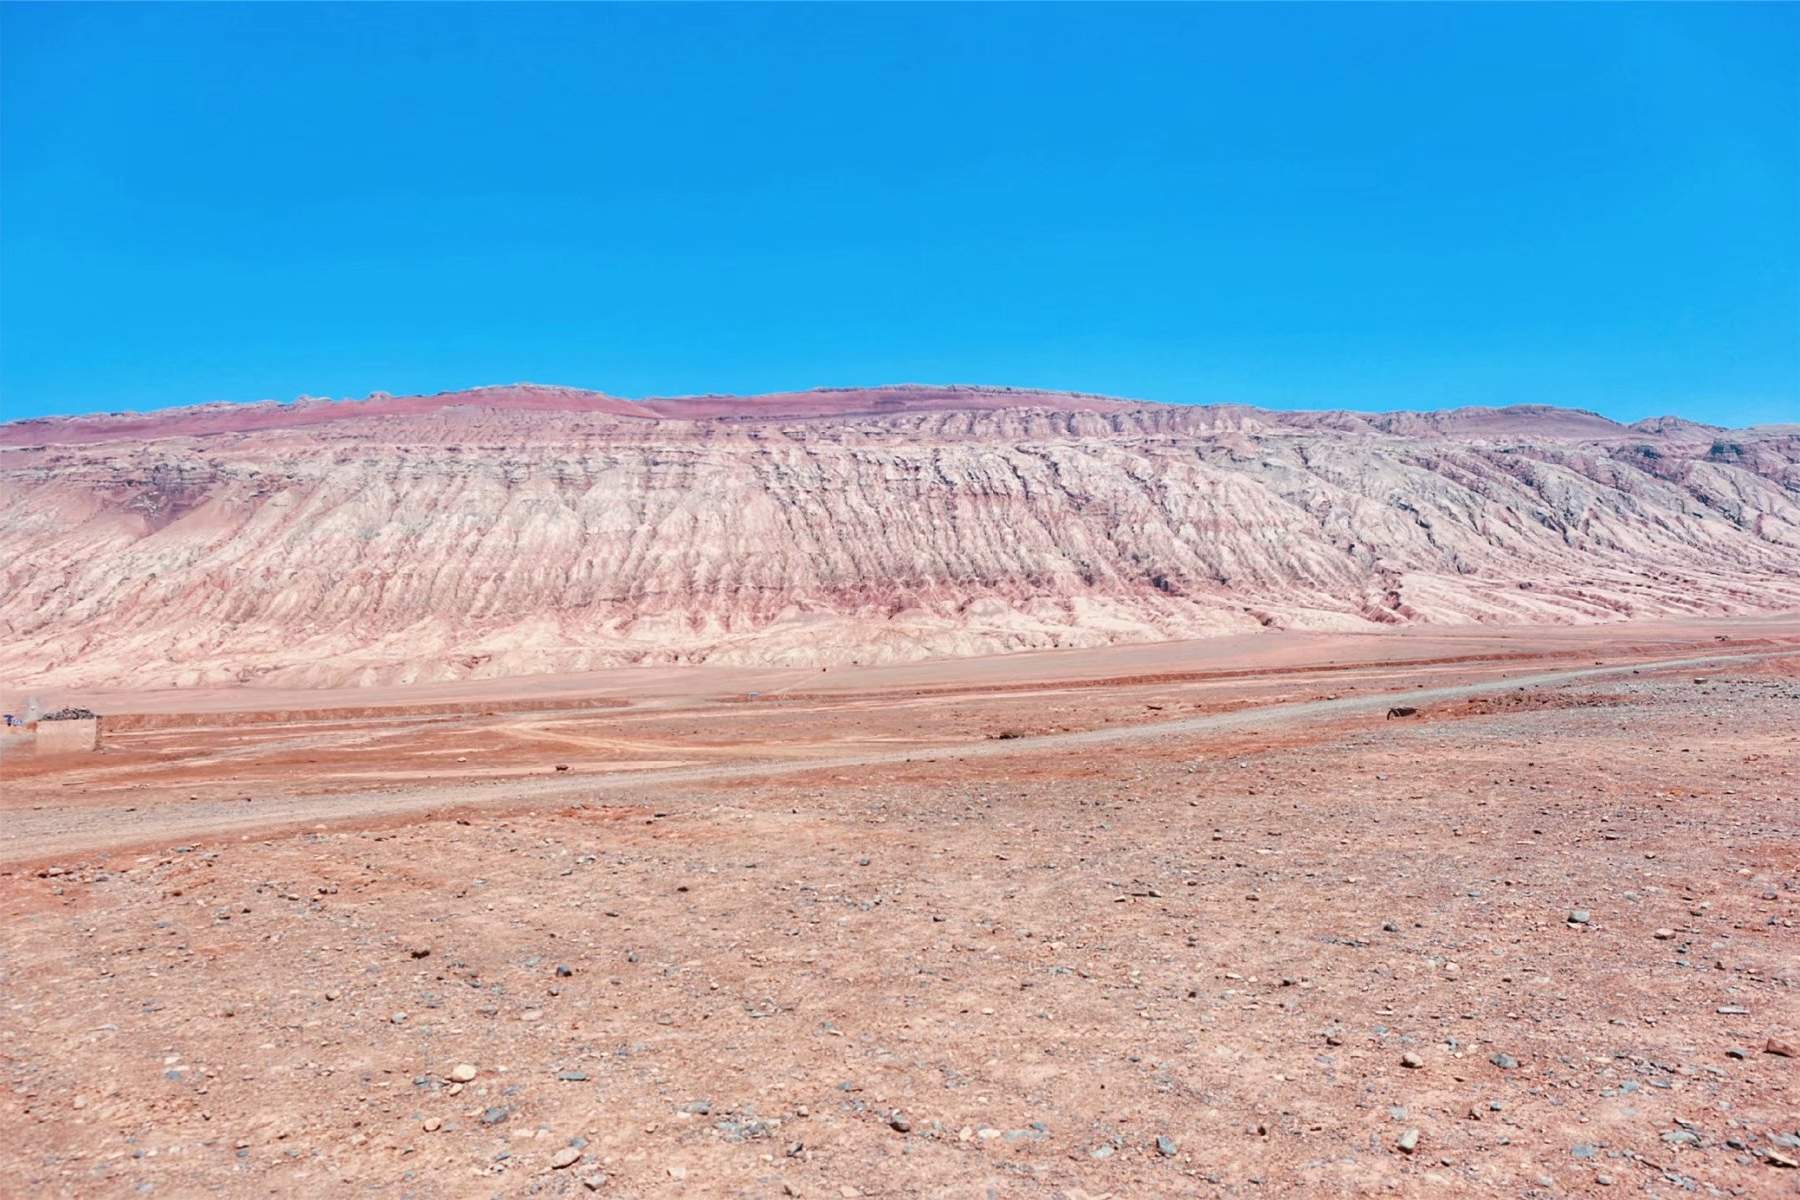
(1532,949)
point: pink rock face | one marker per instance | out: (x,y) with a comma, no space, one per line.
(525,529)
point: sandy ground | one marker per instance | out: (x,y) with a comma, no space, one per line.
(1178,925)
(1233,658)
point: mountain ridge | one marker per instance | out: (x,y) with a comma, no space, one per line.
(829,402)
(402,542)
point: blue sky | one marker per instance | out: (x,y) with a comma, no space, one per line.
(1343,206)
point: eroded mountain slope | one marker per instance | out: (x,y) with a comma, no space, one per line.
(521,530)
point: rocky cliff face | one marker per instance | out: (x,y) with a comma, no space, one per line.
(520,530)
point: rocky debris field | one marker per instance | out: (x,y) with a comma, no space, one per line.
(1539,950)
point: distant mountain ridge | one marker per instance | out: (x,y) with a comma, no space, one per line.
(527,529)
(208,419)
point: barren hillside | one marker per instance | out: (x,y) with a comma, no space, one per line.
(527,529)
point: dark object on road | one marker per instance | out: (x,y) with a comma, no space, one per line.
(70,714)
(1401,712)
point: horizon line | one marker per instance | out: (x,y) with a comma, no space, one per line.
(378,394)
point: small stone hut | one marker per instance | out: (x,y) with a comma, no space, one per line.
(68,731)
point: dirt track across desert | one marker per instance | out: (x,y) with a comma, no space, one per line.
(47,830)
(1167,923)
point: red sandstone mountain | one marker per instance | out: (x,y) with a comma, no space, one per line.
(527,529)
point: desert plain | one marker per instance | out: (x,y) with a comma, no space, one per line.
(1196,918)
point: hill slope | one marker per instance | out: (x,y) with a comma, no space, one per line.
(526,529)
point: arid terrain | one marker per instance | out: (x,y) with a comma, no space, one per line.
(525,530)
(1191,919)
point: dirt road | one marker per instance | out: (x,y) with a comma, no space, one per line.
(1181,937)
(50,831)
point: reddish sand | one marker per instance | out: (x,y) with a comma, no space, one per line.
(1215,927)
(1217,658)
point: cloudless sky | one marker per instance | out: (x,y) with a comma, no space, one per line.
(1343,206)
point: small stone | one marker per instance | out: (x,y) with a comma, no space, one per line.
(1776,1158)
(1663,935)
(1165,1145)
(1603,1179)
(899,1124)
(419,951)
(1580,916)
(1737,1052)
(495,1115)
(1411,1061)
(678,1173)
(1779,1048)
(1408,1142)
(1681,1137)
(1103,1150)
(563,972)
(398,1018)
(568,1156)
(433,1125)
(1732,1010)
(463,1073)
(594,1182)
(1505,1062)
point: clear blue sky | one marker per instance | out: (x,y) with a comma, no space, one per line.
(1344,206)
